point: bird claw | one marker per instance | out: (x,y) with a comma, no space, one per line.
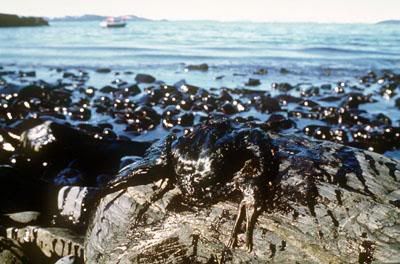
(232,242)
(249,247)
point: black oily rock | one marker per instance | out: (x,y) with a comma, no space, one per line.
(59,144)
(144,78)
(27,73)
(308,103)
(284,71)
(207,164)
(198,67)
(277,122)
(224,95)
(108,89)
(266,103)
(186,119)
(282,87)
(319,187)
(69,75)
(49,96)
(261,71)
(32,91)
(228,109)
(187,88)
(69,176)
(253,82)
(287,98)
(353,100)
(127,160)
(130,90)
(103,70)
(20,192)
(397,103)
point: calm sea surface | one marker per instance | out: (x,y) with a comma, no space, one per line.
(305,49)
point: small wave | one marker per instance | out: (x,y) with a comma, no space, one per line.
(330,50)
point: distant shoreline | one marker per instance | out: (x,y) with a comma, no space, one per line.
(94,17)
(9,20)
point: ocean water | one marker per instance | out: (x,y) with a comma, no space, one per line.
(311,54)
(305,49)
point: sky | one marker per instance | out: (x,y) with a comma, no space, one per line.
(339,11)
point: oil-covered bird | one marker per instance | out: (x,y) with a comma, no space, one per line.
(211,163)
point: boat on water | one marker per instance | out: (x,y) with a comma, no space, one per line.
(113,22)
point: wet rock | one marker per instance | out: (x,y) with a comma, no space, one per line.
(103,70)
(79,113)
(58,145)
(326,133)
(397,102)
(5,73)
(312,91)
(303,114)
(119,83)
(353,100)
(108,89)
(282,87)
(330,205)
(261,71)
(284,71)
(380,120)
(27,73)
(198,67)
(330,98)
(20,191)
(186,120)
(131,90)
(144,78)
(389,90)
(268,104)
(11,252)
(278,122)
(224,95)
(27,217)
(287,98)
(308,103)
(69,176)
(125,161)
(69,75)
(228,109)
(253,82)
(73,203)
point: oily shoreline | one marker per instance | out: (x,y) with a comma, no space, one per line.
(134,104)
(54,134)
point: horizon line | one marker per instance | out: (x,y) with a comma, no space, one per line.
(213,20)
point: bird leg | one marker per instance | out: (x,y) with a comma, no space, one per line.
(239,219)
(246,208)
(251,217)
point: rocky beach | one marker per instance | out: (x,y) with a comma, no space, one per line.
(201,141)
(85,176)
